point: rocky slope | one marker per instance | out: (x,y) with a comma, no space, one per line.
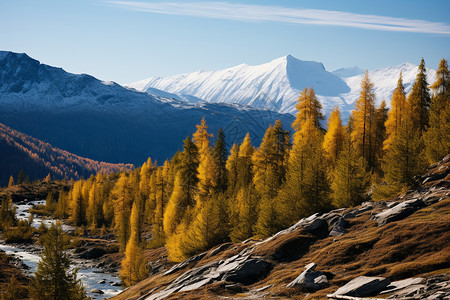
(398,248)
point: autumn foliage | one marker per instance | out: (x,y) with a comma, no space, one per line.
(202,196)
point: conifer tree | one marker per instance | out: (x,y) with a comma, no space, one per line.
(47,178)
(269,161)
(54,278)
(134,265)
(309,108)
(77,208)
(201,136)
(307,188)
(160,200)
(14,290)
(381,115)
(207,172)
(335,136)
(244,163)
(396,113)
(350,179)
(437,137)
(176,207)
(419,100)
(122,202)
(61,206)
(220,158)
(205,228)
(189,171)
(404,158)
(11,181)
(231,166)
(363,133)
(269,167)
(243,214)
(20,177)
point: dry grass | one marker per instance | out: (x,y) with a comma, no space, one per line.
(419,245)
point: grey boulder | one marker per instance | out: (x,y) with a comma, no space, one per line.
(363,286)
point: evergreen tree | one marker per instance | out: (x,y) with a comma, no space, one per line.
(11,181)
(306,189)
(363,134)
(61,206)
(419,100)
(77,204)
(47,178)
(204,229)
(269,167)
(350,179)
(160,200)
(309,108)
(176,207)
(189,171)
(396,113)
(335,136)
(134,265)
(436,138)
(122,203)
(231,166)
(20,177)
(201,136)
(14,290)
(243,214)
(244,163)
(404,158)
(381,115)
(220,157)
(54,278)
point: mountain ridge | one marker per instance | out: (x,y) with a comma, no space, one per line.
(107,122)
(37,159)
(276,85)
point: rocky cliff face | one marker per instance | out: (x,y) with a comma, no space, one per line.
(399,247)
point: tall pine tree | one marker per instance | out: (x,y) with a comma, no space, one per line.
(437,137)
(419,100)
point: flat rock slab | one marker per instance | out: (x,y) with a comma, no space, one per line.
(401,284)
(363,286)
(399,212)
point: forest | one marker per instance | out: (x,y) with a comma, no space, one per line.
(36,159)
(204,196)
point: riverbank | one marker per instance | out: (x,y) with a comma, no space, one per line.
(96,257)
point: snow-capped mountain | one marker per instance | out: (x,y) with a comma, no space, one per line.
(385,81)
(276,85)
(107,122)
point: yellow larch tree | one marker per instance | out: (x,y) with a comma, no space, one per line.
(363,121)
(134,265)
(334,138)
(396,113)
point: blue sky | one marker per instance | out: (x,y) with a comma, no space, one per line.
(125,41)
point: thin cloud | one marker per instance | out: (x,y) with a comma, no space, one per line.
(244,12)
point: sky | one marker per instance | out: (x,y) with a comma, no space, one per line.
(125,41)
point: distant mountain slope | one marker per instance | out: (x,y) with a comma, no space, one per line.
(19,151)
(385,81)
(276,85)
(107,122)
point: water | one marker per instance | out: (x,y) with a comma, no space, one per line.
(88,275)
